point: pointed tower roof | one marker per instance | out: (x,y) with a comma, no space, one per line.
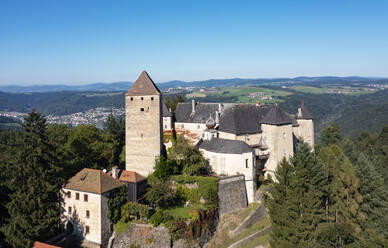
(303,112)
(262,145)
(276,116)
(143,86)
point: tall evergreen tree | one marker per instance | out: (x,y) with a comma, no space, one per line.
(342,199)
(33,207)
(372,188)
(295,203)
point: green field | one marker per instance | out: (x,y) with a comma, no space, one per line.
(346,90)
(247,94)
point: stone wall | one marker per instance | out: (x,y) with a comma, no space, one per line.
(232,194)
(143,132)
(146,236)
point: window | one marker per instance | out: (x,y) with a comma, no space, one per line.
(85,197)
(87,229)
(69,210)
(141,135)
(68,194)
(284,135)
(246,163)
(87,214)
(142,109)
(142,98)
(165,126)
(77,196)
(198,126)
(131,98)
(152,98)
(183,125)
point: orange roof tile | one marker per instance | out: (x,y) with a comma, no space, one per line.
(43,245)
(94,181)
(128,176)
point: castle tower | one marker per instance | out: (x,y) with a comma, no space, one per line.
(277,133)
(143,125)
(306,125)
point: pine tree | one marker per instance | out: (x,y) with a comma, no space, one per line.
(342,199)
(296,201)
(34,200)
(372,188)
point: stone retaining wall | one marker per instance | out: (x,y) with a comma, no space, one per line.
(232,194)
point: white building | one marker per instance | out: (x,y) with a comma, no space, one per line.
(85,205)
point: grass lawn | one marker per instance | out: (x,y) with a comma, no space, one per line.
(223,239)
(262,240)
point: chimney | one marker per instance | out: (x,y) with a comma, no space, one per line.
(299,112)
(114,172)
(193,106)
(217,117)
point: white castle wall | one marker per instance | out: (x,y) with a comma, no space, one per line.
(233,164)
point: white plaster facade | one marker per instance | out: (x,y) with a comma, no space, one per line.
(97,222)
(234,164)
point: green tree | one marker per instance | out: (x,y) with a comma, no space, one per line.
(34,187)
(116,129)
(372,187)
(188,158)
(164,168)
(173,101)
(89,147)
(161,194)
(341,196)
(295,203)
(330,135)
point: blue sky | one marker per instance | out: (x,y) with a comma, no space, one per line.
(86,41)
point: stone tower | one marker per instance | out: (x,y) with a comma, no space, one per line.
(277,133)
(306,125)
(143,125)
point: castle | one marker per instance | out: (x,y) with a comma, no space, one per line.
(248,139)
(243,139)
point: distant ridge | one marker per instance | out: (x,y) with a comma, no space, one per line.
(124,86)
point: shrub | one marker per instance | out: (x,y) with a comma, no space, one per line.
(164,168)
(177,228)
(188,159)
(131,211)
(161,194)
(187,194)
(160,217)
(207,187)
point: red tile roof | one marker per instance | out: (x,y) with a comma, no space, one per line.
(43,245)
(94,181)
(128,176)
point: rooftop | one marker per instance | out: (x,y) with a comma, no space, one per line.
(93,181)
(128,176)
(143,86)
(225,146)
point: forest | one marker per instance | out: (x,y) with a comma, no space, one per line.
(333,196)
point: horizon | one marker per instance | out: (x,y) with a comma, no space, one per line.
(210,79)
(80,43)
